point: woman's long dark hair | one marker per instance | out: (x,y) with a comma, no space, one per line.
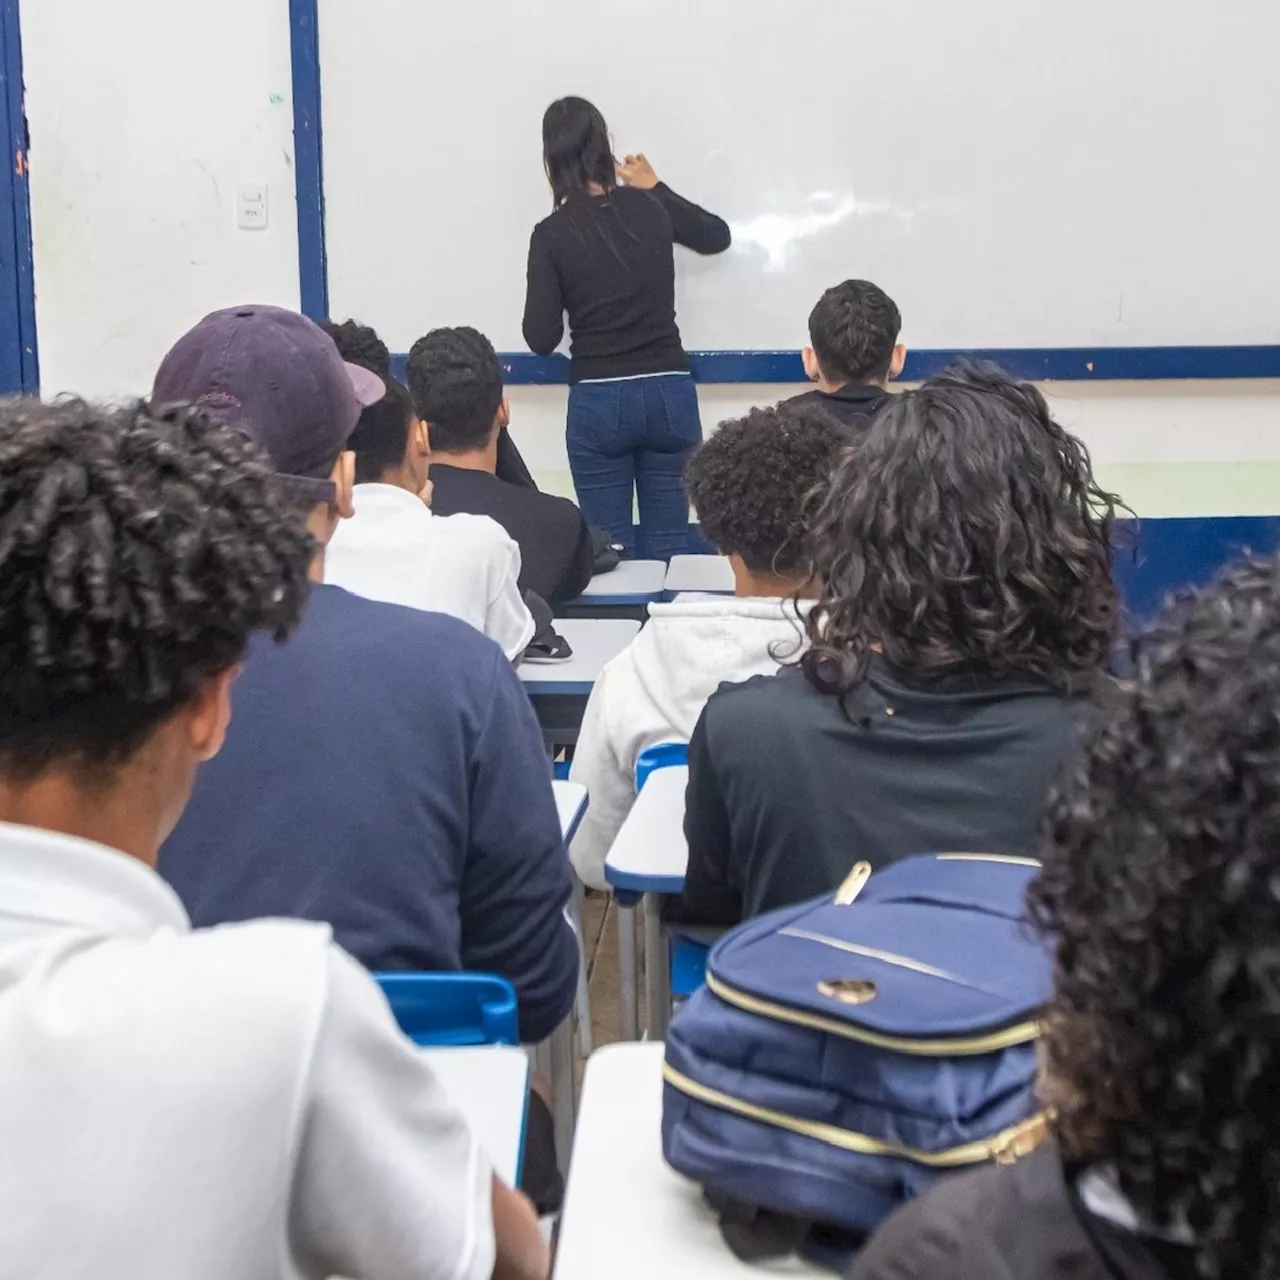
(964,533)
(576,150)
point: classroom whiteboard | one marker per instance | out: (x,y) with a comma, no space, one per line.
(1016,173)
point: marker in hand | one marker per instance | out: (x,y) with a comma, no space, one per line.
(636,171)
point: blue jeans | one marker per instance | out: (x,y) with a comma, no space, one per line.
(635,435)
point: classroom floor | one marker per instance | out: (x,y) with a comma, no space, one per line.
(600,925)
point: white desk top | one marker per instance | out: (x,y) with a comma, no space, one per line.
(632,582)
(489,1084)
(626,1213)
(699,573)
(649,853)
(571,804)
(594,642)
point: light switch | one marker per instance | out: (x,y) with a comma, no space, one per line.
(251,206)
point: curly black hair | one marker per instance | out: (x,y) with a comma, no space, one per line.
(963,533)
(359,344)
(853,331)
(1161,893)
(139,549)
(455,378)
(751,481)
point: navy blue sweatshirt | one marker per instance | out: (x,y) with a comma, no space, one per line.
(607,262)
(384,772)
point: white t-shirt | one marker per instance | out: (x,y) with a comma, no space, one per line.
(395,550)
(219,1104)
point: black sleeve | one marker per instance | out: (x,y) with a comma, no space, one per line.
(709,895)
(543,301)
(691,226)
(582,566)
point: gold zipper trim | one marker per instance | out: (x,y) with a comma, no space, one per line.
(888,957)
(1005,1147)
(1019,1033)
(989,857)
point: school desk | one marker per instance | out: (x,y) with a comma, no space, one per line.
(627,1214)
(699,574)
(571,804)
(625,592)
(489,1084)
(559,690)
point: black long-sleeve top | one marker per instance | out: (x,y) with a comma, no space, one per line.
(607,262)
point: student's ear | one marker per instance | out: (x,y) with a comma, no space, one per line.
(343,476)
(504,413)
(421,440)
(812,369)
(210,715)
(897,362)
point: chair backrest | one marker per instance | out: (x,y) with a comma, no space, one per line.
(452,1008)
(663,756)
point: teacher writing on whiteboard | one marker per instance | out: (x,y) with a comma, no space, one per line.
(604,257)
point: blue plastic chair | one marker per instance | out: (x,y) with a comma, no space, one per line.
(452,1008)
(663,756)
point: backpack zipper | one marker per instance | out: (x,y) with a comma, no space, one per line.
(965,1046)
(1004,1147)
(989,857)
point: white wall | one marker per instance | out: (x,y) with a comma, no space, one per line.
(145,115)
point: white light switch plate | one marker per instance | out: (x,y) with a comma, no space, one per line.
(251,206)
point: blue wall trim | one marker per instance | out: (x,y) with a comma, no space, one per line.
(1082,364)
(308,158)
(19,196)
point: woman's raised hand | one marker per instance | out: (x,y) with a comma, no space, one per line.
(636,171)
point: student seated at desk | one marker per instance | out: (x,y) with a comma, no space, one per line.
(967,608)
(224,1103)
(456,381)
(749,483)
(1162,1041)
(385,772)
(853,351)
(394,549)
(361,345)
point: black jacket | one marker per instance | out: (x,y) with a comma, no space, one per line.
(786,793)
(854,404)
(556,554)
(1012,1222)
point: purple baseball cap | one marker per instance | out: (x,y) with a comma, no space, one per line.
(278,377)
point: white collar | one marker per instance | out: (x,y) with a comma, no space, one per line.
(50,878)
(379,495)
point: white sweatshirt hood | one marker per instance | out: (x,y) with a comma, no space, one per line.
(654,691)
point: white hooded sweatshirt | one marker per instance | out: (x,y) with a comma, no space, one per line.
(654,691)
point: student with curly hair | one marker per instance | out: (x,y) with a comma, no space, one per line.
(853,352)
(750,483)
(228,1102)
(966,607)
(1162,1041)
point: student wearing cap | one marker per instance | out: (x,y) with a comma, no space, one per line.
(385,772)
(228,1103)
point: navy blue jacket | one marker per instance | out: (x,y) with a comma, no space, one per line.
(384,772)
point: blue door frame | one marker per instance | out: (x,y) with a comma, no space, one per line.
(19,366)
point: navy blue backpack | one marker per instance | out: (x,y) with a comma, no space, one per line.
(847,1052)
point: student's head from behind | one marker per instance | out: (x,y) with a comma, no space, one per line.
(140,549)
(390,442)
(751,484)
(455,379)
(576,150)
(359,344)
(278,377)
(1160,896)
(964,534)
(853,337)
